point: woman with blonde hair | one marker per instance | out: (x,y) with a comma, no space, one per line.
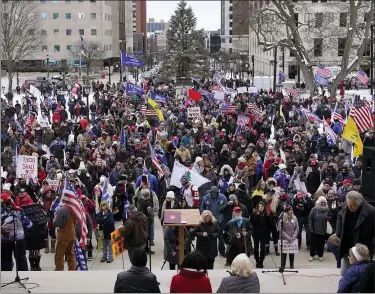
(258,193)
(288,228)
(271,202)
(207,234)
(242,279)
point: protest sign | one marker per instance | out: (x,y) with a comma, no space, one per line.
(218,95)
(35,213)
(27,167)
(194,112)
(289,247)
(241,90)
(117,243)
(53,183)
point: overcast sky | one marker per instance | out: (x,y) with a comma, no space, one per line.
(207,12)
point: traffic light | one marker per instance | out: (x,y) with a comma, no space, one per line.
(252,59)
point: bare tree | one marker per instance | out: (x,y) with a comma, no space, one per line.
(91,51)
(21,34)
(277,25)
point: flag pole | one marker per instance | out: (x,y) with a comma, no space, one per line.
(80,66)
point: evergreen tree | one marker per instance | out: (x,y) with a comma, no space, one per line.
(185,54)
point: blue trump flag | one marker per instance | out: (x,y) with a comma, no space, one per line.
(132,89)
(128,60)
(321,80)
(158,98)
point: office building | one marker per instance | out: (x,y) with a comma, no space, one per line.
(154,26)
(126,26)
(139,9)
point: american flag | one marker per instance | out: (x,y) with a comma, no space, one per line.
(309,115)
(331,136)
(70,198)
(252,107)
(362,77)
(231,108)
(147,112)
(324,71)
(155,161)
(242,120)
(293,92)
(361,115)
(106,197)
(338,116)
(80,257)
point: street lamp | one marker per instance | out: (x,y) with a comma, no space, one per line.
(47,65)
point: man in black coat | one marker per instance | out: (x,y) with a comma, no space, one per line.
(355,224)
(138,279)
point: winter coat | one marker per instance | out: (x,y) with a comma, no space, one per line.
(259,167)
(136,280)
(290,229)
(349,283)
(226,210)
(230,231)
(213,205)
(171,244)
(135,230)
(312,180)
(190,281)
(207,245)
(106,223)
(238,284)
(318,221)
(261,223)
(23,201)
(7,225)
(366,284)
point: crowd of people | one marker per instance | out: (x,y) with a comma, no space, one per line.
(272,169)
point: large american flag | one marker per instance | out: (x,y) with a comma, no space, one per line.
(324,71)
(252,107)
(293,92)
(309,115)
(231,108)
(242,120)
(70,198)
(155,161)
(147,112)
(338,116)
(361,115)
(362,77)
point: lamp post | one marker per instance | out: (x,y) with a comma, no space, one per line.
(47,65)
(17,74)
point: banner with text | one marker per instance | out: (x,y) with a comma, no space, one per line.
(194,112)
(289,247)
(27,167)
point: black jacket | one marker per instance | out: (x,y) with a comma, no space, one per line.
(106,223)
(261,226)
(207,245)
(136,280)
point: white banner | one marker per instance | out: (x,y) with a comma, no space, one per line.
(218,95)
(289,247)
(194,112)
(241,90)
(53,183)
(27,167)
(194,178)
(252,90)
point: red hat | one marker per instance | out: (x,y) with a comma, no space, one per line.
(347,181)
(221,134)
(278,160)
(6,198)
(91,159)
(27,136)
(175,138)
(240,138)
(237,209)
(313,161)
(115,137)
(132,127)
(102,127)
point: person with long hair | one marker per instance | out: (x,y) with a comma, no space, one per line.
(288,228)
(258,193)
(192,277)
(271,204)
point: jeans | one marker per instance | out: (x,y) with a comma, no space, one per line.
(317,245)
(303,221)
(7,248)
(107,249)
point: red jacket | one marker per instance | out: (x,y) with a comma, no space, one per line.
(23,201)
(190,281)
(41,175)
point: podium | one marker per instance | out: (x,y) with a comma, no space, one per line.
(181,218)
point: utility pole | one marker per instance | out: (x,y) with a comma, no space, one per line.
(274,69)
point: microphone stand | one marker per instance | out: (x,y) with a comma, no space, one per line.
(281,269)
(17,279)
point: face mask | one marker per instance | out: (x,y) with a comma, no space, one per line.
(238,217)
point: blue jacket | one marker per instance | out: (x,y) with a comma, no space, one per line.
(349,283)
(213,205)
(152,180)
(113,177)
(259,167)
(106,223)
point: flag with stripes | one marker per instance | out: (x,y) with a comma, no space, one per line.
(361,115)
(18,126)
(55,205)
(106,197)
(331,136)
(293,92)
(362,77)
(242,120)
(80,257)
(323,71)
(155,161)
(231,108)
(253,108)
(309,115)
(70,198)
(338,116)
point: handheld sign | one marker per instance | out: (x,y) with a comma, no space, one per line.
(194,112)
(35,213)
(289,247)
(117,243)
(27,167)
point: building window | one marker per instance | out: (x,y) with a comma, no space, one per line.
(55,15)
(56,48)
(93,15)
(81,15)
(56,31)
(93,32)
(296,19)
(43,15)
(318,47)
(44,48)
(68,32)
(230,32)
(43,32)
(343,19)
(231,8)
(341,46)
(318,20)
(81,32)
(68,15)
(69,47)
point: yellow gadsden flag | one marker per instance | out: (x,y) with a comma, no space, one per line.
(156,107)
(351,134)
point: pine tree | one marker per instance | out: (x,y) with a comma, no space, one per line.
(185,54)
